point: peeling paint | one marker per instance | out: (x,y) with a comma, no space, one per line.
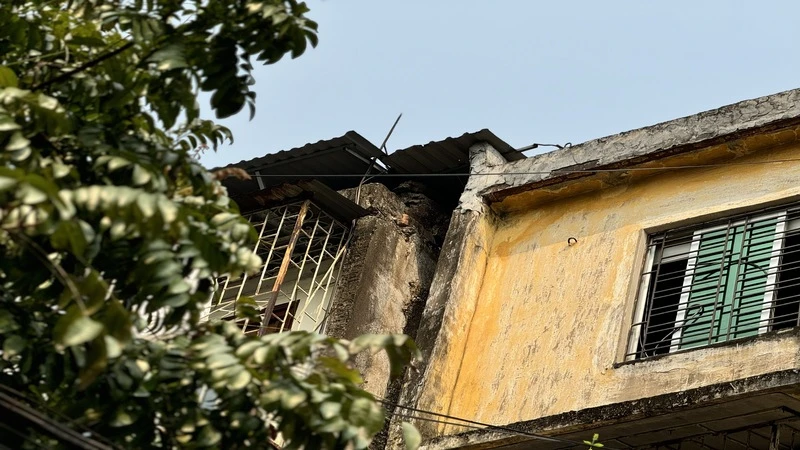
(539,329)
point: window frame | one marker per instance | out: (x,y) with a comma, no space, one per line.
(654,253)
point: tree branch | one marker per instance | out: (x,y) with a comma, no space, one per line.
(83,67)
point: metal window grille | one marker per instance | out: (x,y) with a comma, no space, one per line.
(302,248)
(718,281)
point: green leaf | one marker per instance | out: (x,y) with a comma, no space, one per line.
(140,175)
(329,410)
(8,124)
(8,78)
(169,57)
(30,195)
(13,345)
(73,330)
(87,41)
(400,349)
(122,418)
(220,360)
(117,320)
(7,322)
(17,142)
(68,235)
(247,308)
(113,347)
(292,398)
(366,413)
(47,102)
(208,437)
(411,437)
(7,183)
(240,380)
(96,363)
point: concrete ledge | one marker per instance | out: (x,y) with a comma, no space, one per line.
(677,136)
(573,424)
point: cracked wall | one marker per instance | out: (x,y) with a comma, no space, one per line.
(519,325)
(387,271)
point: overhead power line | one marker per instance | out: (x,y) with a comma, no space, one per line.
(467,423)
(539,172)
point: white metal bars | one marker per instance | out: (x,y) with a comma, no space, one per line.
(302,248)
(719,281)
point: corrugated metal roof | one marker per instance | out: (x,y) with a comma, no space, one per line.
(351,154)
(448,155)
(362,148)
(347,154)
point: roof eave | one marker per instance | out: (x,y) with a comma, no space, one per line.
(631,148)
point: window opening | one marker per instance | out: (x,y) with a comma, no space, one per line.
(301,247)
(718,282)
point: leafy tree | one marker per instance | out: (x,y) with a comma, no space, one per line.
(109,226)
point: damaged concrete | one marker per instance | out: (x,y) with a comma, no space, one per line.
(386,273)
(736,121)
(521,327)
(464,251)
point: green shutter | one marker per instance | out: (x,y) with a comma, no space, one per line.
(728,283)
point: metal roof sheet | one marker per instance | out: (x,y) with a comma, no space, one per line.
(361,149)
(448,155)
(350,153)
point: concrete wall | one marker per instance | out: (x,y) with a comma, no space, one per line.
(386,273)
(520,325)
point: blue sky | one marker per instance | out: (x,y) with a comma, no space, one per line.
(531,71)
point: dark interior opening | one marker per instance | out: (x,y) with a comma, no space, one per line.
(662,308)
(274,324)
(787,294)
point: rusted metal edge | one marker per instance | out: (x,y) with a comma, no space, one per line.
(287,258)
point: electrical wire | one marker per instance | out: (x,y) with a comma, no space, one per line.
(68,422)
(535,172)
(467,423)
(30,440)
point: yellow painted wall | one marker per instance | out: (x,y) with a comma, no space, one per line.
(550,320)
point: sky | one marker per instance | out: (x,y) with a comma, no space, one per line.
(530,71)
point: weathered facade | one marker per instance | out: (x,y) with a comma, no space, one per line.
(643,286)
(640,286)
(350,238)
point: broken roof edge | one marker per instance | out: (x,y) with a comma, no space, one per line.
(452,152)
(472,137)
(652,142)
(367,150)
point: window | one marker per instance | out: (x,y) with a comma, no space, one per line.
(717,282)
(302,248)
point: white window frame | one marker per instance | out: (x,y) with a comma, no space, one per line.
(782,227)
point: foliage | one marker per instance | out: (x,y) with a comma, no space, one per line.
(594,443)
(108,226)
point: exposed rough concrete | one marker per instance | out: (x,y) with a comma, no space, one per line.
(483,159)
(427,216)
(464,251)
(675,136)
(387,272)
